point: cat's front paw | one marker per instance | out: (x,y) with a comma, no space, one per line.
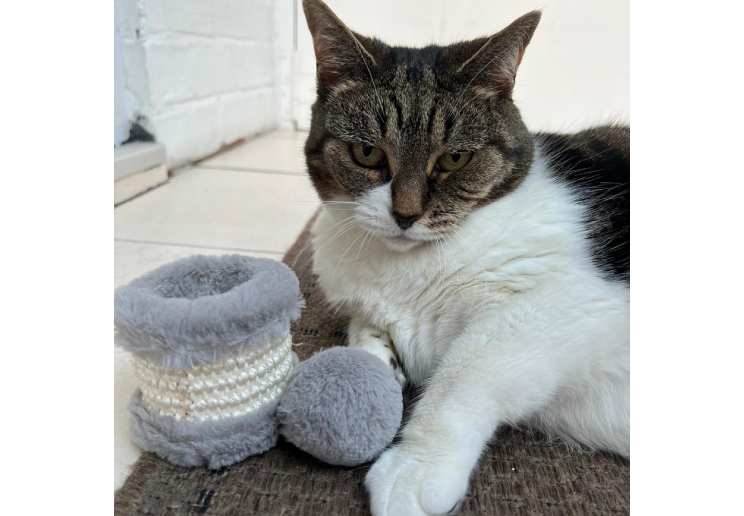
(380,345)
(406,481)
(397,371)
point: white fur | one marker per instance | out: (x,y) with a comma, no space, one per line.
(506,321)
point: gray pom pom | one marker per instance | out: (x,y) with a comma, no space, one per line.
(343,406)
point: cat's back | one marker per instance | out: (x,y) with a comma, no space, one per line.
(595,165)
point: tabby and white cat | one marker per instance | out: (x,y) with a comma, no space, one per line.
(488,263)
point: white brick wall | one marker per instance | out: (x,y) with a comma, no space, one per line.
(200,72)
(121,97)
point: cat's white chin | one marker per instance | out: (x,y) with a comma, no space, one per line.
(400,243)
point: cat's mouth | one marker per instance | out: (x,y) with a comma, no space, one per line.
(400,242)
(402,239)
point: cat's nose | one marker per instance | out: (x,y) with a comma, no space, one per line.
(405,221)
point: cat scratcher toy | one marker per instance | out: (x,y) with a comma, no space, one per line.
(218,380)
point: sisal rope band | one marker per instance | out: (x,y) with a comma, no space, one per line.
(232,388)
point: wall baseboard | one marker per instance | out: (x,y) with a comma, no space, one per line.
(135,184)
(138,166)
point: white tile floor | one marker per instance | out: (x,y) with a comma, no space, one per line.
(253,199)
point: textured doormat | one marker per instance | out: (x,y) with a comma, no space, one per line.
(520,474)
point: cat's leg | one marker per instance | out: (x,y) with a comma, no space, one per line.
(376,342)
(479,384)
(595,413)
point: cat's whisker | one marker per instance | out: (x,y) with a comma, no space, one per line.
(340,231)
(340,205)
(355,260)
(464,240)
(346,227)
(463,284)
(315,252)
(439,257)
(462,108)
(455,243)
(480,216)
(292,263)
(457,269)
(371,78)
(361,246)
(440,242)
(446,252)
(333,276)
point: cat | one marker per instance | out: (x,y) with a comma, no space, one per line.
(484,263)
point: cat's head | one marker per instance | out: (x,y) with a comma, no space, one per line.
(418,138)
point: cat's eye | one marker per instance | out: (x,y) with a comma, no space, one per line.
(367,156)
(454,161)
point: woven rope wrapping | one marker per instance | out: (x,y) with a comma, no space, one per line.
(231,388)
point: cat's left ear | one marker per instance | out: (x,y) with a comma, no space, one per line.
(494,64)
(339,52)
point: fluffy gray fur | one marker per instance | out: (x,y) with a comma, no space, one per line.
(342,406)
(213,444)
(200,309)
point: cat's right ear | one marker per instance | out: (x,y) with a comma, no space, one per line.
(339,53)
(494,64)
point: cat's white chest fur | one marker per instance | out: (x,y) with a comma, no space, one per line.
(415,296)
(530,244)
(505,321)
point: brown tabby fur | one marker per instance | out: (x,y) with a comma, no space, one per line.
(415,105)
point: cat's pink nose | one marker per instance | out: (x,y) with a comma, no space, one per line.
(405,221)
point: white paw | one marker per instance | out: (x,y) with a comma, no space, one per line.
(399,376)
(380,345)
(412,482)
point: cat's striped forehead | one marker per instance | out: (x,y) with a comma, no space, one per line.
(410,107)
(415,118)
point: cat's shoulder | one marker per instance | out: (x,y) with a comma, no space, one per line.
(595,165)
(603,150)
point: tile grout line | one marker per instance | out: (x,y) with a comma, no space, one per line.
(173,244)
(141,194)
(251,170)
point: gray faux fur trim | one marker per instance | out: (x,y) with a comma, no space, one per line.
(213,444)
(200,309)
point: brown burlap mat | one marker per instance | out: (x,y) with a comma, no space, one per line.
(520,474)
